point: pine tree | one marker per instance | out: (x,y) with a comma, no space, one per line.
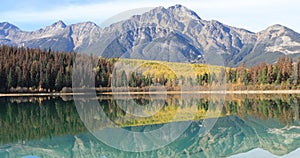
(246,78)
(278,78)
(9,79)
(2,77)
(270,74)
(264,76)
(200,79)
(19,77)
(59,81)
(123,81)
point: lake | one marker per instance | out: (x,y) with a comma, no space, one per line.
(150,126)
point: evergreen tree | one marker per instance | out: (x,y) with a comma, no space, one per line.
(246,78)
(9,79)
(278,78)
(123,81)
(264,76)
(2,78)
(59,81)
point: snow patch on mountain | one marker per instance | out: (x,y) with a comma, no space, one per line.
(284,44)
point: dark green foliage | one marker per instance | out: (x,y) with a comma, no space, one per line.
(59,81)
(34,68)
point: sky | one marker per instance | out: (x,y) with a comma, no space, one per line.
(253,15)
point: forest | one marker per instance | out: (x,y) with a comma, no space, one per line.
(35,70)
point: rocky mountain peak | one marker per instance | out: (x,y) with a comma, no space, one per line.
(59,24)
(183,11)
(177,12)
(88,24)
(7,26)
(275,31)
(277,27)
(56,28)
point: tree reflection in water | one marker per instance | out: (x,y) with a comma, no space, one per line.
(28,118)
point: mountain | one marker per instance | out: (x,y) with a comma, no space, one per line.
(7,29)
(170,34)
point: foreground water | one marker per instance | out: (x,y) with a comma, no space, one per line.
(243,125)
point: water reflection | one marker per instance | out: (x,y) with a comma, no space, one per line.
(51,127)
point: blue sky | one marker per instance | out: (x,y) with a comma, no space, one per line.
(254,15)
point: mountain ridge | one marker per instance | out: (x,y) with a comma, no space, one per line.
(158,33)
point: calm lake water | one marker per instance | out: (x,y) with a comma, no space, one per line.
(221,126)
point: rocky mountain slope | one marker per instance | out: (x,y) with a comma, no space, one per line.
(170,34)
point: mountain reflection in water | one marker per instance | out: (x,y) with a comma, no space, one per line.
(51,126)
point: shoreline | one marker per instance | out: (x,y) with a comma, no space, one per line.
(224,92)
(213,92)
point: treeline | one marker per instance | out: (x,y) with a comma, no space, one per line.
(284,74)
(36,70)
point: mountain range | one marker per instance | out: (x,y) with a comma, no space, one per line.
(175,34)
